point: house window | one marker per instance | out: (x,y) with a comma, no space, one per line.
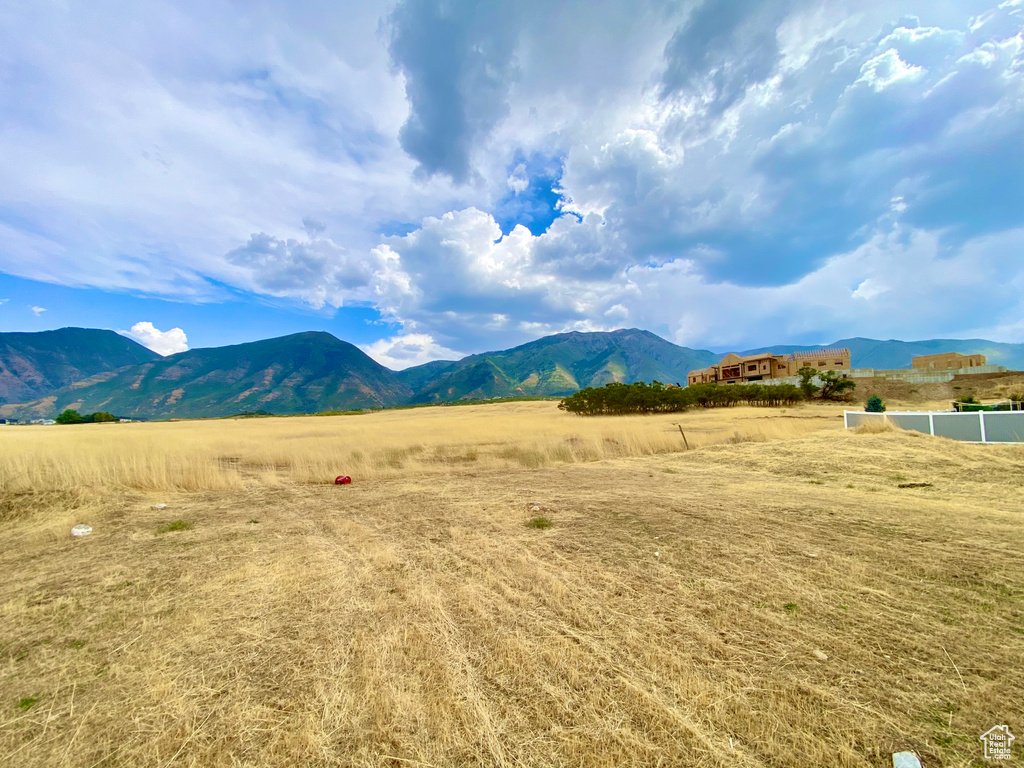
(752,367)
(821,363)
(839,362)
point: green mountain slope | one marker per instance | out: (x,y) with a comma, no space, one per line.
(560,365)
(873,353)
(301,373)
(34,364)
(419,376)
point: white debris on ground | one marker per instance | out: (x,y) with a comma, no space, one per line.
(905,760)
(81,530)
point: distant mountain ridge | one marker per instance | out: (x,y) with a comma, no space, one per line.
(34,364)
(559,365)
(301,373)
(315,371)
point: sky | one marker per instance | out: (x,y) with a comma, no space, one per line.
(433,178)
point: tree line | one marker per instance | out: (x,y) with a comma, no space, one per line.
(70,416)
(618,399)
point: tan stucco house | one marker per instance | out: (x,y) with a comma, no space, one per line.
(734,369)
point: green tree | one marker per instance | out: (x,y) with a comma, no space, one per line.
(875,405)
(100,416)
(69,417)
(833,385)
(807,384)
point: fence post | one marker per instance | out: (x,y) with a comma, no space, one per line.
(846,419)
(981,419)
(931,423)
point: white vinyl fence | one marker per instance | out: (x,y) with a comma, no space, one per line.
(975,427)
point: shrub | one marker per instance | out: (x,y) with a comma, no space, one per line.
(69,416)
(875,405)
(969,399)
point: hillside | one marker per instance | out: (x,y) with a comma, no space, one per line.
(419,376)
(301,373)
(34,364)
(884,355)
(559,365)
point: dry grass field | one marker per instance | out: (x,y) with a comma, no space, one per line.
(507,585)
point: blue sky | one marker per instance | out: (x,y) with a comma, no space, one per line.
(431,178)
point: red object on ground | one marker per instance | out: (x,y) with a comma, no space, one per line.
(342,480)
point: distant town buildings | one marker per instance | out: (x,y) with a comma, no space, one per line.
(947,361)
(734,369)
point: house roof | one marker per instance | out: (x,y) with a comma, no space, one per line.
(733,358)
(828,352)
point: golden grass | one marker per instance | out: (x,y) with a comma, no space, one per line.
(675,613)
(217,455)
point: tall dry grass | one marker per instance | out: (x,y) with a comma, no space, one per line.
(751,604)
(771,597)
(224,454)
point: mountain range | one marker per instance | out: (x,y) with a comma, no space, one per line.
(92,370)
(34,364)
(302,373)
(557,365)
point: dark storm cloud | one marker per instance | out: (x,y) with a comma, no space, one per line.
(723,48)
(458,65)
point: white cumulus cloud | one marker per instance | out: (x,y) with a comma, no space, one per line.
(161,342)
(726,172)
(407,350)
(888,69)
(37,311)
